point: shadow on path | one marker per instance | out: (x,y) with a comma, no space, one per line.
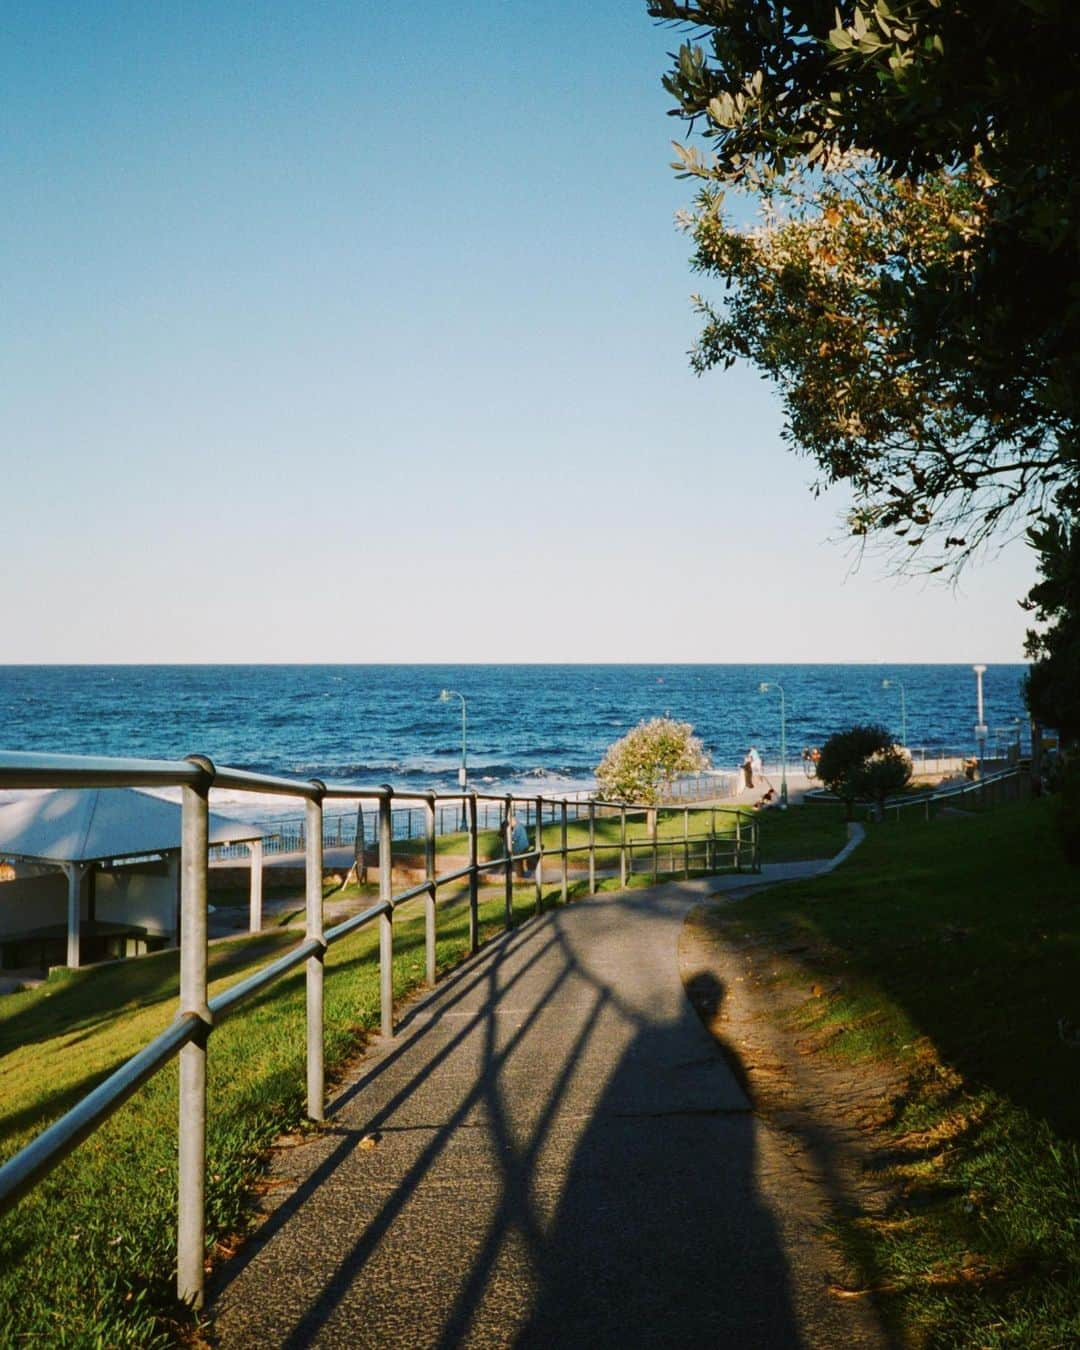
(563,1157)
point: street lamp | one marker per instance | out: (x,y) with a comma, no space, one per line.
(888,684)
(764,688)
(463,774)
(980,725)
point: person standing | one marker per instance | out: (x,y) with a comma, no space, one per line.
(756,766)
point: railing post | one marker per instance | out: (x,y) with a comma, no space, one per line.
(474,879)
(686,841)
(712,841)
(508,831)
(592,848)
(386,921)
(313,812)
(622,848)
(656,845)
(565,893)
(429,898)
(191,1198)
(539,874)
(738,841)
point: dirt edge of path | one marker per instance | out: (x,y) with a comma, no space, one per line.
(824,1149)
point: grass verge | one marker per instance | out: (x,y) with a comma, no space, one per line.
(951,949)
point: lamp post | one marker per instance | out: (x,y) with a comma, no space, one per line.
(764,688)
(888,684)
(463,773)
(980,725)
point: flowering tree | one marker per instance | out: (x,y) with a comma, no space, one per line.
(651,756)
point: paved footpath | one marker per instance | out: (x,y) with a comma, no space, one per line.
(551,1152)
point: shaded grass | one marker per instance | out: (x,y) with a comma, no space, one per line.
(88,1257)
(952,949)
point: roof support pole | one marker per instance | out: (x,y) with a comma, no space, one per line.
(255,910)
(74,873)
(173,864)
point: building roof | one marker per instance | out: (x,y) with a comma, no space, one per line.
(97,824)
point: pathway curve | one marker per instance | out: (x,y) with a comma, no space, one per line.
(552,1152)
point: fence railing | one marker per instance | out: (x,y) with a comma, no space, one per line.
(627,853)
(992,789)
(356,829)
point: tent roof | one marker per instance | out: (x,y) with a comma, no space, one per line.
(95,824)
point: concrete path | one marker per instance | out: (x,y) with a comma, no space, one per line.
(552,1152)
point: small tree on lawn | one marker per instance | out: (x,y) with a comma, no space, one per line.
(648,758)
(863,762)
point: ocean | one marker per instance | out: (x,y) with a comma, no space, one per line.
(541,728)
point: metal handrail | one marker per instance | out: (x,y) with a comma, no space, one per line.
(978,787)
(188,1034)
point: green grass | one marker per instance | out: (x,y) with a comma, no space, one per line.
(816,831)
(953,949)
(87,1258)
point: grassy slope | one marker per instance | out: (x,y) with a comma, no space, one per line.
(88,1257)
(954,949)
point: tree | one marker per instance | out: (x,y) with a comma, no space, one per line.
(863,763)
(818,299)
(942,132)
(1052,688)
(649,757)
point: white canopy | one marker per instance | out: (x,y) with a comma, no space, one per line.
(82,825)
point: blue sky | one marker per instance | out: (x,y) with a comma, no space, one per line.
(331,332)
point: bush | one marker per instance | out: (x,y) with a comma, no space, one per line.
(863,763)
(652,754)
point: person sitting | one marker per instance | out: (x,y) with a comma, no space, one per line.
(519,843)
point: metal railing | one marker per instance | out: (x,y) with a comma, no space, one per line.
(991,789)
(735,848)
(345,830)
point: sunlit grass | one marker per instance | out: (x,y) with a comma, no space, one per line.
(88,1257)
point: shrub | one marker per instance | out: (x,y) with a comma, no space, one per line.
(652,755)
(863,762)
